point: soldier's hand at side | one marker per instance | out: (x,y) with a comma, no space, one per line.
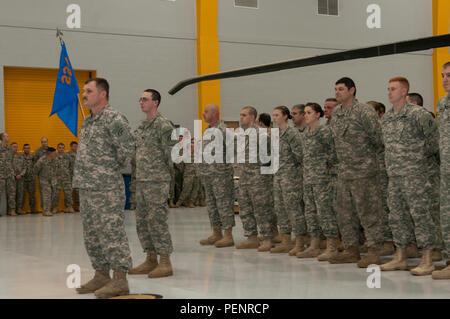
(18,176)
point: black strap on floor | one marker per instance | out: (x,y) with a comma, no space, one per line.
(375,51)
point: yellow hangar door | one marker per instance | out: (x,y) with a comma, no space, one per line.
(28,104)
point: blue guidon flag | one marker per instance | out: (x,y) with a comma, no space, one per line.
(65,100)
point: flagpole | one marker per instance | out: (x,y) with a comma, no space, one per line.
(81,108)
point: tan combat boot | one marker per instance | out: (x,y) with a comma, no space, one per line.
(202,203)
(250,243)
(171,204)
(276,236)
(285,246)
(69,210)
(349,255)
(12,213)
(227,239)
(55,210)
(164,268)
(190,204)
(372,257)
(148,265)
(47,213)
(331,250)
(299,245)
(266,244)
(388,248)
(179,203)
(323,244)
(398,263)
(426,266)
(117,286)
(441,274)
(312,251)
(101,278)
(436,255)
(412,251)
(20,211)
(132,207)
(217,235)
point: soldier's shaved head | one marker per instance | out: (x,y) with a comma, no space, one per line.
(211,114)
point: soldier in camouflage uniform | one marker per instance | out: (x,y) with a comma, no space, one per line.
(255,189)
(105,147)
(45,169)
(153,145)
(190,189)
(29,180)
(288,186)
(63,168)
(319,156)
(133,184)
(388,245)
(38,153)
(443,116)
(218,181)
(199,190)
(19,173)
(73,155)
(357,137)
(328,107)
(410,137)
(7,180)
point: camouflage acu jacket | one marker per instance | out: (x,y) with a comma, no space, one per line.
(105,146)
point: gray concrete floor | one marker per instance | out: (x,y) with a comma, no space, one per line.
(35,252)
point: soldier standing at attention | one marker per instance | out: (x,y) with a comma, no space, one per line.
(63,165)
(298,117)
(287,186)
(189,190)
(45,170)
(133,184)
(410,136)
(19,173)
(41,151)
(73,155)
(7,179)
(357,138)
(328,107)
(153,146)
(255,189)
(219,185)
(29,180)
(105,146)
(319,156)
(443,116)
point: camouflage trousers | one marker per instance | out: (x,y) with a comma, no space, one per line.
(433,187)
(358,202)
(151,217)
(409,211)
(77,197)
(288,198)
(176,184)
(66,185)
(319,211)
(105,239)
(188,192)
(387,233)
(133,191)
(47,189)
(219,190)
(22,189)
(199,190)
(445,213)
(9,185)
(256,205)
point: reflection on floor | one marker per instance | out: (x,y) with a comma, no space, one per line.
(36,251)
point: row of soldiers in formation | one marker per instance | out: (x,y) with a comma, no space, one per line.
(360,176)
(54,169)
(336,170)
